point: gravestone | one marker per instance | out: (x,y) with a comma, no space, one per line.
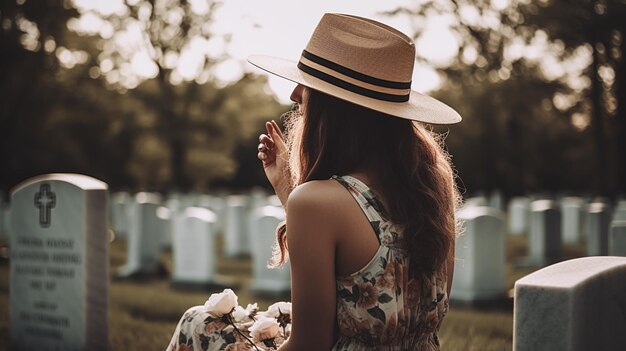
(257,198)
(598,220)
(5,213)
(475,201)
(518,216)
(617,238)
(620,211)
(571,220)
(217,205)
(144,238)
(59,264)
(236,238)
(575,305)
(164,226)
(274,200)
(194,251)
(119,213)
(266,281)
(545,233)
(496,200)
(480,261)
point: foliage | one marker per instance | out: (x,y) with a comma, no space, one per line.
(576,49)
(61,112)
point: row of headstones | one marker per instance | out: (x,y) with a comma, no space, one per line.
(59,246)
(574,305)
(480,249)
(190,226)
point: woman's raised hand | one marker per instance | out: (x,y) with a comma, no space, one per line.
(274,155)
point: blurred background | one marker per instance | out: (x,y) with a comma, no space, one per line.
(156,96)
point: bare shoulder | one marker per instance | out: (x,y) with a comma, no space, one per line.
(315,193)
(319,200)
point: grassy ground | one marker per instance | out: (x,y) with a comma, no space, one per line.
(143,315)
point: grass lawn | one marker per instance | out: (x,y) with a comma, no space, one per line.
(143,314)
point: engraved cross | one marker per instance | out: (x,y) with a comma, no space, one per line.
(45,201)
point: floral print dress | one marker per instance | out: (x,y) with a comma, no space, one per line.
(379,307)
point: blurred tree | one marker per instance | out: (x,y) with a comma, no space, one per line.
(167,42)
(108,91)
(576,44)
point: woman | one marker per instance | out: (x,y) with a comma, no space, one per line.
(369,194)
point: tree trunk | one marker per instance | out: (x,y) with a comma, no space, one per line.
(620,131)
(597,125)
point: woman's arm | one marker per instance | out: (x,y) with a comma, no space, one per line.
(311,240)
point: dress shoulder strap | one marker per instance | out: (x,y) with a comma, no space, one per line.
(367,200)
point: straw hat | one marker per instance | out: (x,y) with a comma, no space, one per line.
(364,62)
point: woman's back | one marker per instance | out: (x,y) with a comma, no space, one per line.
(379,307)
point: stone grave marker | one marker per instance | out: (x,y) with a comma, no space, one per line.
(620,211)
(236,238)
(266,281)
(496,200)
(571,220)
(144,238)
(119,213)
(598,220)
(518,216)
(480,261)
(59,264)
(194,249)
(545,233)
(575,305)
(257,198)
(164,226)
(617,238)
(475,201)
(5,214)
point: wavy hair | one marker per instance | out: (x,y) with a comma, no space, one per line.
(406,162)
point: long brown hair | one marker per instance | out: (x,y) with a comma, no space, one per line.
(411,171)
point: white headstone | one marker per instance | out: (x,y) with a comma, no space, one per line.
(59,264)
(518,216)
(545,233)
(571,220)
(496,200)
(480,260)
(619,214)
(617,238)
(576,305)
(598,215)
(257,198)
(144,238)
(5,220)
(194,248)
(119,213)
(475,201)
(265,280)
(164,218)
(236,238)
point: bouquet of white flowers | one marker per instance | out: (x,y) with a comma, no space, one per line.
(221,324)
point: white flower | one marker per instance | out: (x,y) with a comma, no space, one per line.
(264,328)
(240,314)
(278,308)
(220,304)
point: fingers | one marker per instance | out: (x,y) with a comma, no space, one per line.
(276,135)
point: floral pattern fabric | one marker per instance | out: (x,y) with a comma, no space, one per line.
(379,307)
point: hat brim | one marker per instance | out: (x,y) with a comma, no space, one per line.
(419,107)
